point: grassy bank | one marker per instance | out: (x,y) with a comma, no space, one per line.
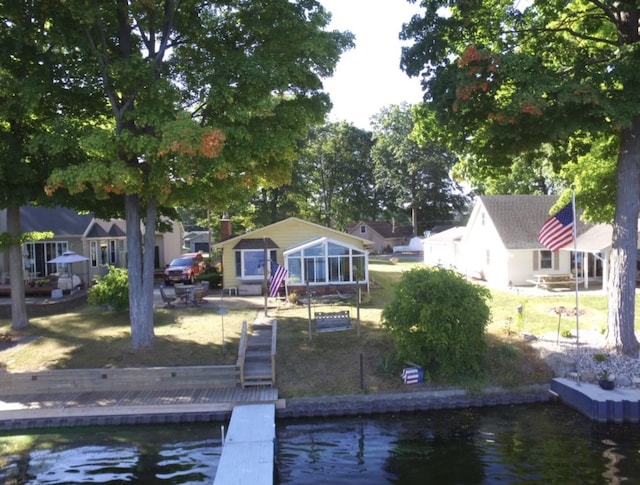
(332,363)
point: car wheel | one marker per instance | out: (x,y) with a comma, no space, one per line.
(192,280)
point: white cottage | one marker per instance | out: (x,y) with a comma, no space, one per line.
(501,244)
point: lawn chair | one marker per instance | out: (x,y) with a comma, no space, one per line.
(168,296)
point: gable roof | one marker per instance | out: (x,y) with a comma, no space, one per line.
(449,235)
(100,228)
(518,218)
(256,232)
(59,220)
(385,229)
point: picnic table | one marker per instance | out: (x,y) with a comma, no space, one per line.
(553,281)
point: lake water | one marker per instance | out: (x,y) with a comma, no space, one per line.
(510,444)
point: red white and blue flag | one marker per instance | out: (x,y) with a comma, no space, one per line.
(278,274)
(557,231)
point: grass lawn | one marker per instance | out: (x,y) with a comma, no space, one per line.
(330,363)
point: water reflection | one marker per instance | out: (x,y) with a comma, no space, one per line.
(135,455)
(548,444)
(522,444)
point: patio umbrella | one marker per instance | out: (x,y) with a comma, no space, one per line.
(70,257)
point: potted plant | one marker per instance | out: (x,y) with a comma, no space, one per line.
(606,380)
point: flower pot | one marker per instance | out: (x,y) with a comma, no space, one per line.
(607,385)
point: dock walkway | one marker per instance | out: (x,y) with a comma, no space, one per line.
(248,453)
(127,407)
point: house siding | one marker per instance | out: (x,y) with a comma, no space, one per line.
(286,234)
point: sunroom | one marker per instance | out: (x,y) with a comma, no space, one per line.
(326,262)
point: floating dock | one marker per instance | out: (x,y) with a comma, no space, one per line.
(619,405)
(248,452)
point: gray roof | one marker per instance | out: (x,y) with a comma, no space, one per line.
(59,220)
(518,218)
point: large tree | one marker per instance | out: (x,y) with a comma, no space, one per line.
(414,176)
(36,133)
(183,78)
(335,163)
(504,81)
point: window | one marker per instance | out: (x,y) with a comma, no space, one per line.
(107,252)
(326,262)
(546,259)
(363,229)
(36,255)
(250,263)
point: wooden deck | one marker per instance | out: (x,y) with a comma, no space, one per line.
(82,408)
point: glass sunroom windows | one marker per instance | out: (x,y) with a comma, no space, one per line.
(325,261)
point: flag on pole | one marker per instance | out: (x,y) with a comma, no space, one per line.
(557,231)
(278,274)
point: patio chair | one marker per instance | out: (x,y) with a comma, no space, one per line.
(168,296)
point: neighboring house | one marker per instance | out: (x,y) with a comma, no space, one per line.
(197,241)
(324,258)
(102,242)
(500,244)
(442,249)
(383,235)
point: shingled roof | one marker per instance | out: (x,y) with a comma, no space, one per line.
(59,220)
(385,229)
(518,218)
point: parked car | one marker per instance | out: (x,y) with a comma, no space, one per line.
(184,269)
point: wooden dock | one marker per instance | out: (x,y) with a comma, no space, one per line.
(83,408)
(248,453)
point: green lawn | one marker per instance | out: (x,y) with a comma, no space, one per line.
(325,364)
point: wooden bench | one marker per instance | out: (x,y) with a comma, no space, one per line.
(332,321)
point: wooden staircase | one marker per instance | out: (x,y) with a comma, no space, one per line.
(257,353)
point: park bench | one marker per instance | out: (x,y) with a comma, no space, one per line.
(332,321)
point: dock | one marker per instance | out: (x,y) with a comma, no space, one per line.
(619,405)
(248,453)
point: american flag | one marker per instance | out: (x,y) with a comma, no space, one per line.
(557,232)
(278,274)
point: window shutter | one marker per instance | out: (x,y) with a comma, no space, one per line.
(535,260)
(556,260)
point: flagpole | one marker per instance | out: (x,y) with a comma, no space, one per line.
(575,262)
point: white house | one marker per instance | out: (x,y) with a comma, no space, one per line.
(501,244)
(443,248)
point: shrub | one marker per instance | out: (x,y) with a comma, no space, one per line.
(111,289)
(211,275)
(438,319)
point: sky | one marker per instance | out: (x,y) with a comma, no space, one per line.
(368,77)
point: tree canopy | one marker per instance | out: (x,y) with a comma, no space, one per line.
(205,102)
(503,81)
(414,175)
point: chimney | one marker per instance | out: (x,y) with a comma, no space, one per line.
(225,227)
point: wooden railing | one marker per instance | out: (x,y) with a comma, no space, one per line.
(274,337)
(242,351)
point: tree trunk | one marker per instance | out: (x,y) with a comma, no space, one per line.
(621,336)
(140,272)
(19,318)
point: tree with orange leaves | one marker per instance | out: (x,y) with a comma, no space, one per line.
(204,102)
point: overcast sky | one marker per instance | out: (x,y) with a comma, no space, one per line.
(368,77)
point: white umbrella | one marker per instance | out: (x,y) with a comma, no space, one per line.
(69,257)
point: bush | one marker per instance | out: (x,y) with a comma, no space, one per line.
(211,275)
(111,289)
(438,319)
